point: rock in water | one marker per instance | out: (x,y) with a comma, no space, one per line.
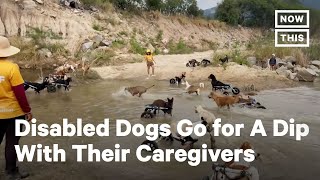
(307,75)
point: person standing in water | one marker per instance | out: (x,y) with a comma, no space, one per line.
(150,62)
(13,106)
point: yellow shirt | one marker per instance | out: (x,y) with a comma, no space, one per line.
(9,76)
(149,58)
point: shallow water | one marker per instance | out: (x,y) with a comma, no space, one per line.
(281,157)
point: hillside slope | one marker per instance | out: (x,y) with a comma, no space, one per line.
(77,25)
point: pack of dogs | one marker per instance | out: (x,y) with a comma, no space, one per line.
(222,94)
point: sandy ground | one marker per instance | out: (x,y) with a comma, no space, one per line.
(169,66)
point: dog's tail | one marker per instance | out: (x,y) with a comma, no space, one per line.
(150,86)
(201,85)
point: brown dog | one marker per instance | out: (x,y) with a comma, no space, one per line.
(163,104)
(137,90)
(222,100)
(243,165)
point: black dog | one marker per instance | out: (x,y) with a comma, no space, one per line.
(224,60)
(64,83)
(193,63)
(215,83)
(205,62)
(37,87)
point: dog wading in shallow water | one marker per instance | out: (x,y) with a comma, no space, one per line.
(137,90)
(222,100)
(194,89)
(166,106)
(207,119)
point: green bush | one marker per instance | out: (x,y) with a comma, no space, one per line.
(97,27)
(119,44)
(136,47)
(179,48)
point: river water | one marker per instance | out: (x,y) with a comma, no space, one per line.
(281,157)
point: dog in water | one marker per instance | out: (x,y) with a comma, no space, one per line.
(194,89)
(222,100)
(37,87)
(166,106)
(207,119)
(244,165)
(137,90)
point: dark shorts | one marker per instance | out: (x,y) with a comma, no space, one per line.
(149,64)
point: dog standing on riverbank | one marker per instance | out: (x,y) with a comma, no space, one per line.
(137,90)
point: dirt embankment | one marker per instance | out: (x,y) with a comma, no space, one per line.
(169,66)
(77,25)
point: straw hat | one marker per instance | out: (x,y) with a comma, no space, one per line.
(6,50)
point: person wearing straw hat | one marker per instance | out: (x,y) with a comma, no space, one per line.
(13,106)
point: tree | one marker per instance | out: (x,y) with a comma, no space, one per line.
(154,5)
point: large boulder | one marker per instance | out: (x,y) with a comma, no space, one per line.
(313,67)
(290,65)
(252,60)
(45,53)
(293,76)
(29,4)
(307,75)
(281,63)
(283,71)
(290,59)
(88,45)
(105,43)
(316,63)
(98,38)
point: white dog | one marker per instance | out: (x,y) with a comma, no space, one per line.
(207,118)
(194,89)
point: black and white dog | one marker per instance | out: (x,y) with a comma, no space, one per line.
(193,63)
(64,82)
(205,62)
(224,60)
(37,87)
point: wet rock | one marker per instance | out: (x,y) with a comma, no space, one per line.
(307,75)
(46,53)
(316,63)
(252,61)
(87,46)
